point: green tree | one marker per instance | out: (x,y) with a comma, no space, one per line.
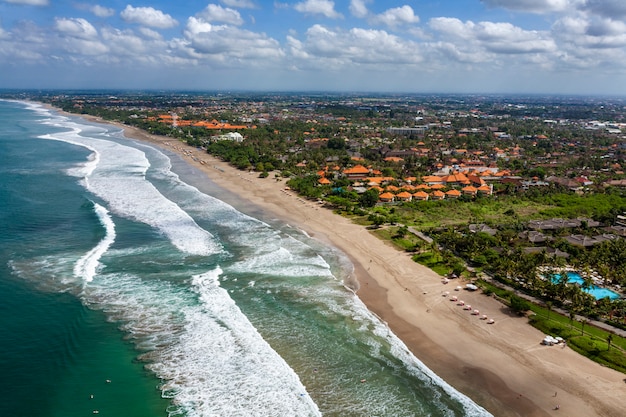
(376,220)
(369,198)
(336,143)
(518,304)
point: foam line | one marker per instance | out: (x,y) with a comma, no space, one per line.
(87,266)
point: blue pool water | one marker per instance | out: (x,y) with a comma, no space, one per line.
(597,292)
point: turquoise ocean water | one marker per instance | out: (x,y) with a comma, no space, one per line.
(128,286)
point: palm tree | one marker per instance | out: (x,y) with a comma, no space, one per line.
(549,307)
(583,321)
(562,287)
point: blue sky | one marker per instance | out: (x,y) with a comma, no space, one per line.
(461,46)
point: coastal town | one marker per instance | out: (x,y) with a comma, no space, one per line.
(522,197)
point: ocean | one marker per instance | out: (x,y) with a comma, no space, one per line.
(128,287)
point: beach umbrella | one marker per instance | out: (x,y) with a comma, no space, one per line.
(475,312)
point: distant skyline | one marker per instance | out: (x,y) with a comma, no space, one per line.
(446,46)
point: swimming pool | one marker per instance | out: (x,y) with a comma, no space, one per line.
(597,292)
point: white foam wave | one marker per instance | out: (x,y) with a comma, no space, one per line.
(212,360)
(116,173)
(283,262)
(87,266)
(36,107)
(253,380)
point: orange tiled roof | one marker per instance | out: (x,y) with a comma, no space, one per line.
(469,190)
(484,189)
(386,197)
(374,180)
(432,178)
(357,169)
(476,179)
(214,124)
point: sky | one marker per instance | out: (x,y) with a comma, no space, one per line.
(421,46)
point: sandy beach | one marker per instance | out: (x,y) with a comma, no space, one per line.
(502,366)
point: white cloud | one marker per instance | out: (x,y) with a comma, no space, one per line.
(124,43)
(226,46)
(215,13)
(606,27)
(85,51)
(615,9)
(579,34)
(196,26)
(148,16)
(77,28)
(28,2)
(150,34)
(501,38)
(76,38)
(240,4)
(397,16)
(452,27)
(449,50)
(534,6)
(328,48)
(318,7)
(102,11)
(358,8)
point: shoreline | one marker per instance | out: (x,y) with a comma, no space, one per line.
(502,366)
